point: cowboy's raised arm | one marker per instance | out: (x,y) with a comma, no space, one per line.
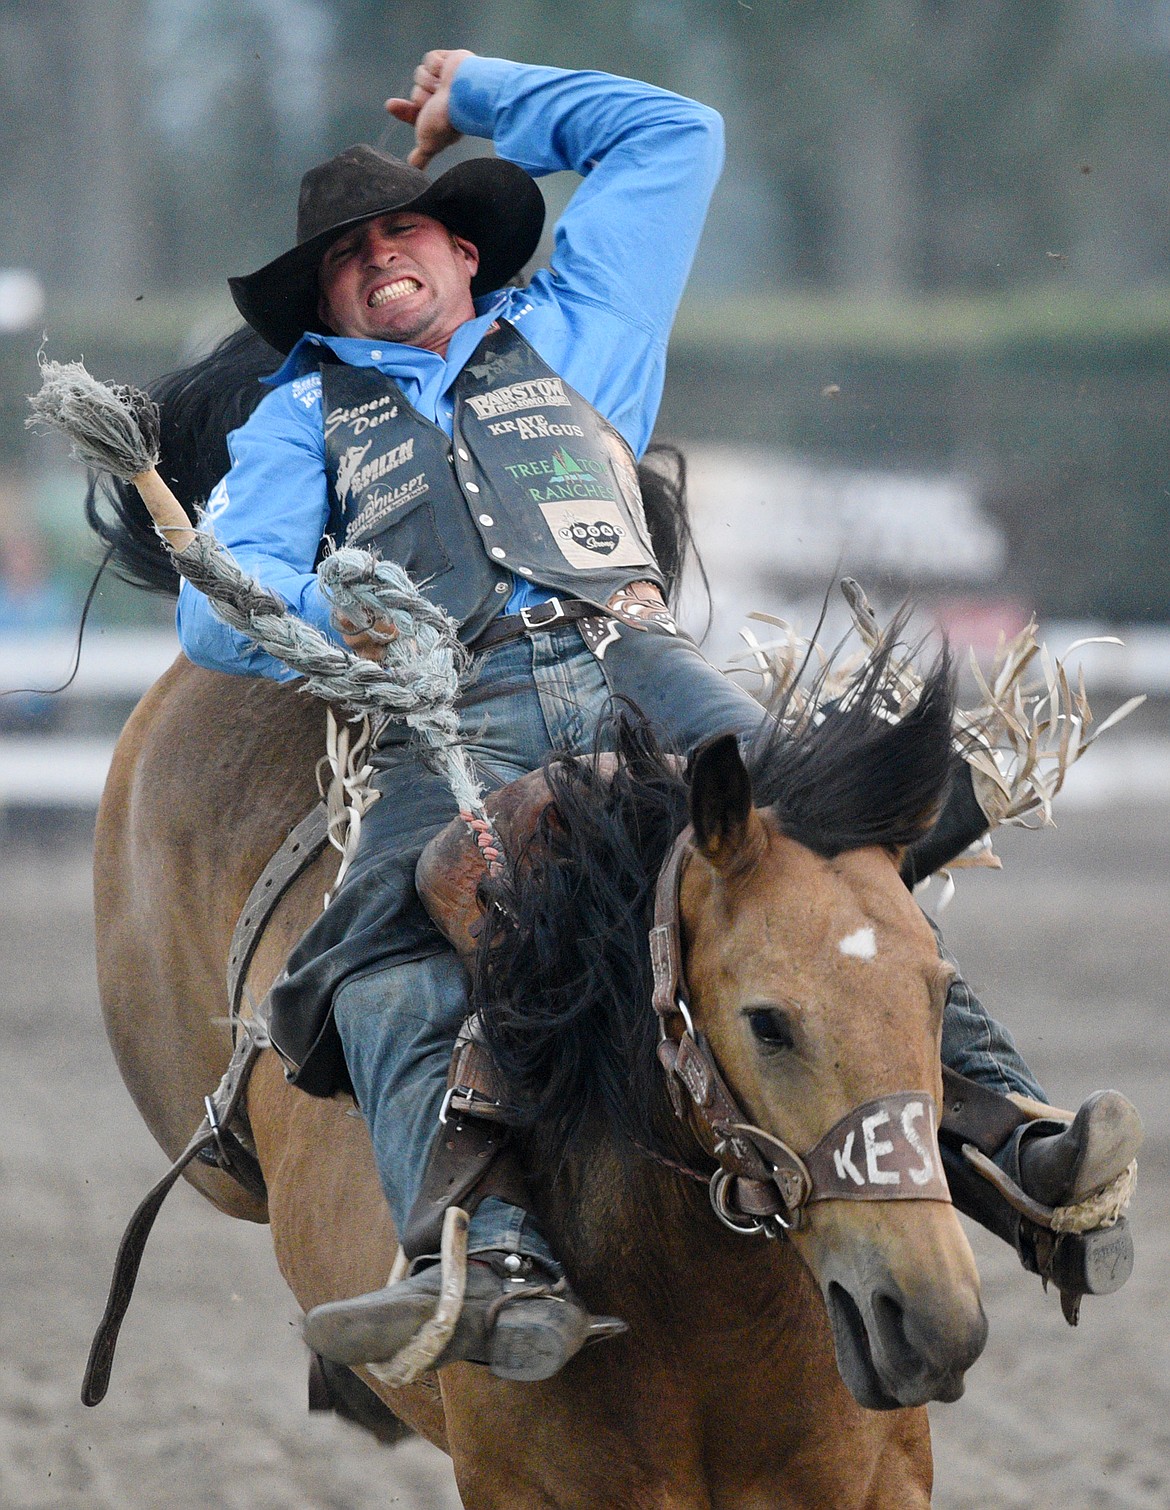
(649,160)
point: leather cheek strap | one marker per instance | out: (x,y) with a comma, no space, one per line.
(885,1149)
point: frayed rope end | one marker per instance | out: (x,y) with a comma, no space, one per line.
(112,427)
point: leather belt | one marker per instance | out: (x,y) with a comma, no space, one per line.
(540,616)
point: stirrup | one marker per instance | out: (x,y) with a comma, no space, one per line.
(421,1352)
(1083,1249)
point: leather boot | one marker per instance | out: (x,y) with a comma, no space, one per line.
(520,1320)
(516,1319)
(1049,1160)
(1065,1167)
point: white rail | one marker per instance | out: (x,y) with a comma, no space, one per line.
(68,770)
(114,662)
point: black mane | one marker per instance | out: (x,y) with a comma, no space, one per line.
(854,776)
(563,979)
(200,404)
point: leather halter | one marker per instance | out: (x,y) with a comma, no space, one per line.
(885,1149)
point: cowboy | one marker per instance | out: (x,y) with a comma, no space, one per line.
(484,434)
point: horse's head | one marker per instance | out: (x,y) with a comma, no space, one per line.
(818,985)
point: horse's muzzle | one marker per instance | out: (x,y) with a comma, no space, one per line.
(906,1317)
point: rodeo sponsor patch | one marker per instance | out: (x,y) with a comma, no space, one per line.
(360,417)
(535,427)
(498,364)
(307,390)
(347,467)
(217,501)
(389,461)
(563,467)
(381,503)
(592,536)
(538,393)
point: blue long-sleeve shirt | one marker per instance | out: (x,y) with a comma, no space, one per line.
(600,316)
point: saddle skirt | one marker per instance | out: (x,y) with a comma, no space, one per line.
(452,865)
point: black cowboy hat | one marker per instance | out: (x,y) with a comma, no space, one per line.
(490,202)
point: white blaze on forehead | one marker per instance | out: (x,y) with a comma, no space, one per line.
(861,945)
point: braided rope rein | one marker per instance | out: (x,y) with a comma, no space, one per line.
(115,429)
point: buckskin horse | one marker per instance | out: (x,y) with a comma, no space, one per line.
(810,975)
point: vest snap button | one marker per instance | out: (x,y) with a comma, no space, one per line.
(451,457)
(486,520)
(501,587)
(498,552)
(472,487)
(525,571)
(463,456)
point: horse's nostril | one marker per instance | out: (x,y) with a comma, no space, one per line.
(889,1316)
(921,1342)
(846,1315)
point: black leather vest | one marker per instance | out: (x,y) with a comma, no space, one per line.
(535,483)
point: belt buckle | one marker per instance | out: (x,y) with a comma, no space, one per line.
(549,612)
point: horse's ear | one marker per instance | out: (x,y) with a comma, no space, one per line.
(721,799)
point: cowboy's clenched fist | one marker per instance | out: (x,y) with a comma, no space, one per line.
(427,108)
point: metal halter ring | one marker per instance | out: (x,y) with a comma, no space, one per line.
(745,1226)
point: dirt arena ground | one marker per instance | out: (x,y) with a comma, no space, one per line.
(1071,945)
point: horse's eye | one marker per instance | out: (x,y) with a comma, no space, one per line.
(771,1027)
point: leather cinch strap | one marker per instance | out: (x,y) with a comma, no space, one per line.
(213,1141)
(133,1244)
(291,860)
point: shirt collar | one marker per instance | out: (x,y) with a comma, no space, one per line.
(391,356)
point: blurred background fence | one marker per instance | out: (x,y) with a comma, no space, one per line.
(925,341)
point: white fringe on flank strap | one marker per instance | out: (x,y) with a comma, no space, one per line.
(1020,742)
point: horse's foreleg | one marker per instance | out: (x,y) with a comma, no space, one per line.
(904,1473)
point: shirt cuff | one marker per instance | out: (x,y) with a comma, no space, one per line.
(476,91)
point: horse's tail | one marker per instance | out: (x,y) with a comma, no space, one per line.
(200,404)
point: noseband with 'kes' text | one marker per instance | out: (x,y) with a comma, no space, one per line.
(884,1150)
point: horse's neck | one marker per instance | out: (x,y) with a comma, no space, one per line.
(642,1242)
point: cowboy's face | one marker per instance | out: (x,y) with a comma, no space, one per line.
(399,277)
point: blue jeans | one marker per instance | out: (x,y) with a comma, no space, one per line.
(398,1008)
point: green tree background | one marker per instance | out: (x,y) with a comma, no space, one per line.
(954,207)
